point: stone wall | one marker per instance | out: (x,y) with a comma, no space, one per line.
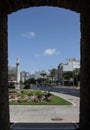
(4,104)
(85,70)
(80,6)
(10,6)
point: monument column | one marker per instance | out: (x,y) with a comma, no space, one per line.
(17,74)
(4,100)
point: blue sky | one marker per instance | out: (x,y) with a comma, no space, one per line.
(43,37)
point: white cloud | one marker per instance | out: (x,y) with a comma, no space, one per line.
(51,52)
(28,35)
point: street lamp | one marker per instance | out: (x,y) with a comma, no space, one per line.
(73,73)
(73,79)
(76,76)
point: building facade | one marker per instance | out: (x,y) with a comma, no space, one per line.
(24,76)
(71,65)
(38,74)
(12,73)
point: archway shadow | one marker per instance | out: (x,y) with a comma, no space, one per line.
(44,126)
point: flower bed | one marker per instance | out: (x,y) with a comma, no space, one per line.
(36,98)
(29,96)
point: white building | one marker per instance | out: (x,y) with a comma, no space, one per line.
(71,65)
(24,76)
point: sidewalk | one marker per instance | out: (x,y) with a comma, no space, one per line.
(46,114)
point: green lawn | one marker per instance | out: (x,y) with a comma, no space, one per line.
(55,100)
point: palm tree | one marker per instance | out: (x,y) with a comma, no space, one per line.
(76,73)
(52,74)
(67,77)
(43,74)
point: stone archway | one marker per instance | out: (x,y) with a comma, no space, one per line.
(80,6)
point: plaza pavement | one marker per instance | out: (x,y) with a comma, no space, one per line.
(48,113)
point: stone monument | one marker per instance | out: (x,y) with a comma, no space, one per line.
(17,74)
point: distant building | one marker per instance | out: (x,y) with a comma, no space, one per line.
(71,65)
(12,73)
(24,76)
(12,76)
(38,74)
(32,76)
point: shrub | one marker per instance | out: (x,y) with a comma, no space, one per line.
(30,94)
(39,94)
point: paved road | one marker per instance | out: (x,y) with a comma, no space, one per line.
(70,90)
(67,90)
(47,113)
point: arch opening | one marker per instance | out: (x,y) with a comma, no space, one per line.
(7,7)
(39,29)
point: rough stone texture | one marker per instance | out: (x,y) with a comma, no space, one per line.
(80,6)
(85,71)
(10,6)
(4,107)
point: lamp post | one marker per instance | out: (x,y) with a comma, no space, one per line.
(76,77)
(73,73)
(73,79)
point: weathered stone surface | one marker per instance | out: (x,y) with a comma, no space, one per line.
(85,70)
(4,105)
(80,6)
(10,6)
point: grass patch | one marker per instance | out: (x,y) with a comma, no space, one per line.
(54,100)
